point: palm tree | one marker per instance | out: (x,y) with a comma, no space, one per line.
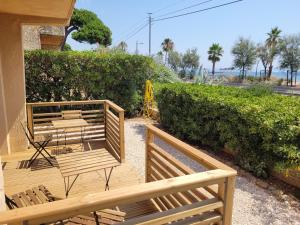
(167,46)
(122,46)
(215,53)
(272,43)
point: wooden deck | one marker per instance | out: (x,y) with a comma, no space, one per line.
(17,179)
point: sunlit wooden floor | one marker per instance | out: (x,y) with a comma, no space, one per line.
(18,178)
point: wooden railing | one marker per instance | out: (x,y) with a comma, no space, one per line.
(105,119)
(114,129)
(161,165)
(180,194)
(62,209)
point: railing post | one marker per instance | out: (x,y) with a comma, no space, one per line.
(29,112)
(149,140)
(226,193)
(122,139)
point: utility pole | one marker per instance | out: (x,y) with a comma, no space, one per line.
(137,47)
(150,23)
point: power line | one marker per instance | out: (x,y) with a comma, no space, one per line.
(179,10)
(132,29)
(140,29)
(168,6)
(197,11)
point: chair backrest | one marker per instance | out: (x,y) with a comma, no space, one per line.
(71,114)
(27,132)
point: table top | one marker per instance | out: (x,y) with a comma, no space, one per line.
(69,123)
(84,162)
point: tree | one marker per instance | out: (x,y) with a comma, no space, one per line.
(174,60)
(190,62)
(215,53)
(122,46)
(264,56)
(290,52)
(244,53)
(272,43)
(87,27)
(167,46)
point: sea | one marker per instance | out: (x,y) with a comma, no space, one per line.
(278,74)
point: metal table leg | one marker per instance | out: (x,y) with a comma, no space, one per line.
(107,178)
(69,186)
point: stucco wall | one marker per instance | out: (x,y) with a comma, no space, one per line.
(2,198)
(12,85)
(31,37)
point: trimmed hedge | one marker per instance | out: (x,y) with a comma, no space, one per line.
(262,128)
(70,75)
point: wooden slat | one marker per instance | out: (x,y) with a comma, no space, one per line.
(64,103)
(25,199)
(193,153)
(46,119)
(112,116)
(112,130)
(207,218)
(46,114)
(179,165)
(113,151)
(81,153)
(40,195)
(122,135)
(17,200)
(88,165)
(33,197)
(114,140)
(177,213)
(91,169)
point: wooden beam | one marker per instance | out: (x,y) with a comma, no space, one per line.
(88,102)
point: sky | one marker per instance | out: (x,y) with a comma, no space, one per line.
(250,19)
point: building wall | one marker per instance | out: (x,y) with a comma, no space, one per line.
(31,37)
(12,86)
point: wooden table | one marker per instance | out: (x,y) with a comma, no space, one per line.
(63,124)
(70,123)
(74,164)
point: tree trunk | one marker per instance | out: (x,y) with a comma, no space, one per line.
(265,73)
(68,30)
(243,74)
(270,70)
(213,69)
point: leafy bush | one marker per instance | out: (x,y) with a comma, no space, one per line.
(263,130)
(57,76)
(260,90)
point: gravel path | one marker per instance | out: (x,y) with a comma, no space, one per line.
(253,205)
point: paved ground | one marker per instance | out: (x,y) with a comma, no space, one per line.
(253,205)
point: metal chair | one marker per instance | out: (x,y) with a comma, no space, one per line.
(39,142)
(70,115)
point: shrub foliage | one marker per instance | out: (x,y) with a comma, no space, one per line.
(262,128)
(58,76)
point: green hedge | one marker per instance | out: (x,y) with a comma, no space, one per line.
(70,75)
(261,127)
